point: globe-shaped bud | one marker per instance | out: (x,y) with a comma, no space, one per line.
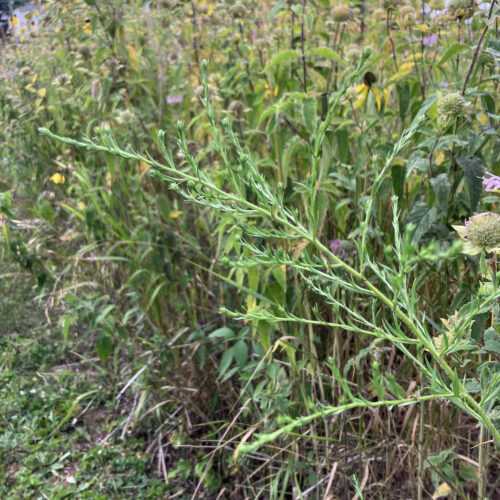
(451,106)
(487,60)
(238,10)
(483,230)
(342,14)
(390,4)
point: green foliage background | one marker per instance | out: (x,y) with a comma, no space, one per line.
(284,300)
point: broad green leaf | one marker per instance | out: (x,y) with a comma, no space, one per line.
(473,172)
(223,332)
(422,217)
(104,346)
(441,187)
(283,56)
(240,350)
(452,51)
(327,53)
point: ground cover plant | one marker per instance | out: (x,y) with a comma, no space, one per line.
(273,228)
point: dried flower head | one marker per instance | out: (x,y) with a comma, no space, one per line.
(481,232)
(461,9)
(342,14)
(407,17)
(353,52)
(451,105)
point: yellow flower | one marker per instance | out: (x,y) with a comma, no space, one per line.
(81,205)
(268,91)
(57,178)
(14,21)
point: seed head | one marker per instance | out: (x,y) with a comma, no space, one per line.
(407,17)
(342,14)
(451,106)
(483,230)
(461,9)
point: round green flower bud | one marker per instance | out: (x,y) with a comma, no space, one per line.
(461,9)
(238,10)
(483,230)
(451,106)
(487,60)
(390,4)
(342,14)
(25,70)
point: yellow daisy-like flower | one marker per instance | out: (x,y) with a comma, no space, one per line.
(14,21)
(57,178)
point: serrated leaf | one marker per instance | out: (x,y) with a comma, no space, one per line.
(491,341)
(441,186)
(473,172)
(422,217)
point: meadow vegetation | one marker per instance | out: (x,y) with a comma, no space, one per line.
(248,250)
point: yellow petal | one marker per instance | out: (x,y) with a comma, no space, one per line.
(376,91)
(440,157)
(443,490)
(175,214)
(361,98)
(42,92)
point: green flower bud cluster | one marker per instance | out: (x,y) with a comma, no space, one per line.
(451,106)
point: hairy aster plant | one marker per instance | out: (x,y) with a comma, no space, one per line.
(481,232)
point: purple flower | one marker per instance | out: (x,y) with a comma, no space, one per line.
(336,248)
(444,84)
(429,41)
(174,99)
(492,182)
(3,218)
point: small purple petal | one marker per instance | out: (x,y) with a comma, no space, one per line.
(429,41)
(444,84)
(492,182)
(174,99)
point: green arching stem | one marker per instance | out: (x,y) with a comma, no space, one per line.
(329,410)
